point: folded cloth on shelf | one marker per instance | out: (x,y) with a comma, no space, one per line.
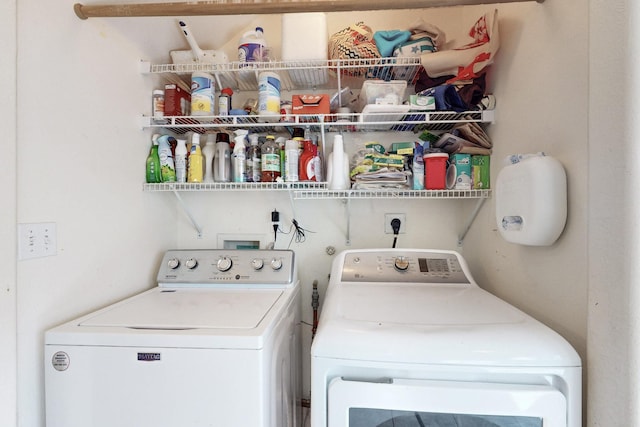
(386,41)
(446,97)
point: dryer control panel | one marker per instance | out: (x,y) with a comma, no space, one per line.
(214,267)
(403,266)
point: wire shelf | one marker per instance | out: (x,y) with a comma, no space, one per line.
(233,186)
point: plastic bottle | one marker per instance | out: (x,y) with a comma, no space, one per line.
(298,135)
(280,141)
(317,164)
(167,167)
(157,105)
(222,169)
(253,46)
(254,160)
(208,154)
(203,92)
(239,158)
(338,166)
(270,160)
(291,161)
(307,173)
(181,160)
(194,173)
(269,96)
(153,162)
(224,101)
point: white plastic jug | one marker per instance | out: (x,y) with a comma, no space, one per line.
(253,46)
(338,166)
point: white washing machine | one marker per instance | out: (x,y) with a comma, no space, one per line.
(407,338)
(216,343)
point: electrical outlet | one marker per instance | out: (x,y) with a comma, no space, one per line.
(37,240)
(387,222)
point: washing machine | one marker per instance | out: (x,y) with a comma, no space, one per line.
(216,343)
(407,338)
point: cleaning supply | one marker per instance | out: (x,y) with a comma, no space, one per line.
(153,162)
(254,159)
(194,173)
(253,46)
(269,96)
(306,166)
(239,157)
(291,161)
(181,160)
(338,166)
(167,167)
(222,169)
(208,154)
(203,92)
(270,160)
(317,164)
(224,101)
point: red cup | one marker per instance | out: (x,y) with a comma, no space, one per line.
(435,171)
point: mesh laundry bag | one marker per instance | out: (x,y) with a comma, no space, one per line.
(353,43)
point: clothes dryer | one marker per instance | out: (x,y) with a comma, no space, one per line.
(406,337)
(216,343)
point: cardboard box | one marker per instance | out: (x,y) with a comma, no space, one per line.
(310,104)
(480,172)
(177,101)
(459,172)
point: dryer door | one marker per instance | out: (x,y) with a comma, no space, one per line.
(420,403)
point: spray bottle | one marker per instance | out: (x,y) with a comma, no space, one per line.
(254,159)
(239,157)
(167,167)
(153,162)
(181,161)
(338,166)
(208,154)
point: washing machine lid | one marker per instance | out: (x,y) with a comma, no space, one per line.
(176,309)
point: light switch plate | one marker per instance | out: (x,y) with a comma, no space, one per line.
(36,240)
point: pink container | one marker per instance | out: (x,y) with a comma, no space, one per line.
(435,171)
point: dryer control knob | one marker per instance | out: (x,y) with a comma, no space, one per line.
(257,263)
(224,264)
(401,263)
(173,263)
(276,263)
(191,263)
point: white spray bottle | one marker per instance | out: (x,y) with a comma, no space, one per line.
(239,157)
(338,166)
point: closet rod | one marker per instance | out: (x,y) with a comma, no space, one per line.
(251,7)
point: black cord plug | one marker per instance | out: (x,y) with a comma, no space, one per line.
(395,225)
(275,219)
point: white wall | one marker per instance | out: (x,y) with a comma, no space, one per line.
(614,319)
(81,162)
(8,291)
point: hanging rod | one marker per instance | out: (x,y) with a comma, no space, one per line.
(251,7)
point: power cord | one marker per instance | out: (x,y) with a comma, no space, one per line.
(395,225)
(275,220)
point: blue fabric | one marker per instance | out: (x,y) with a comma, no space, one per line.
(386,41)
(447,98)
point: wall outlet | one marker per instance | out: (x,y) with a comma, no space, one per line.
(37,240)
(387,222)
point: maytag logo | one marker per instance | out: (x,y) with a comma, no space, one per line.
(148,357)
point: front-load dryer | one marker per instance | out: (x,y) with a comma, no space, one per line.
(406,337)
(216,343)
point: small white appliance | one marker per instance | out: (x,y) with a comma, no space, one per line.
(216,343)
(406,337)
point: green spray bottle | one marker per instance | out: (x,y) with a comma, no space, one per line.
(153,162)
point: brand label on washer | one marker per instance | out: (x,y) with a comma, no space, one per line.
(148,357)
(60,361)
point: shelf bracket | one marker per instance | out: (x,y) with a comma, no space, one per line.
(186,210)
(348,236)
(469,222)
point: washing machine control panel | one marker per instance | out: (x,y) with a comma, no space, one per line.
(403,266)
(213,267)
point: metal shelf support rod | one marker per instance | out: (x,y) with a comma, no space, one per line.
(186,210)
(469,222)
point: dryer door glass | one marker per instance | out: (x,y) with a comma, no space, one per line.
(420,403)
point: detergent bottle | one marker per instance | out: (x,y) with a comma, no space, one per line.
(194,173)
(253,46)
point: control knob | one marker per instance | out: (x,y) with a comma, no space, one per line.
(276,263)
(224,263)
(401,263)
(191,263)
(173,263)
(257,263)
